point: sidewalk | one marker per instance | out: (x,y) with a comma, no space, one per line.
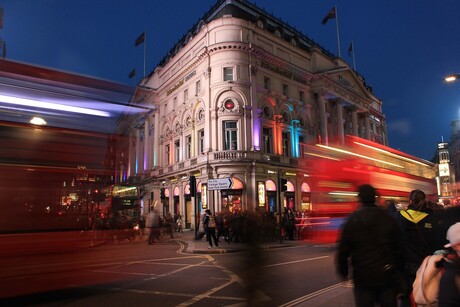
(339,295)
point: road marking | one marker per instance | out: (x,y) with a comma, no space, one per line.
(309,296)
(297,261)
(170,293)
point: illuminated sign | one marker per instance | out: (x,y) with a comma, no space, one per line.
(204,197)
(444,170)
(261,193)
(123,191)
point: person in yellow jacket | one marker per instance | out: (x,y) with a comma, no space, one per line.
(420,228)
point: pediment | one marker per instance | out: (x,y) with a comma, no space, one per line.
(349,80)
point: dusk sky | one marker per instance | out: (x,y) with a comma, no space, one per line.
(403,48)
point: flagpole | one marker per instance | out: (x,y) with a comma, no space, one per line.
(337,27)
(145,46)
(353,54)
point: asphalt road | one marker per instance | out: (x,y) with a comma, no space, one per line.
(164,274)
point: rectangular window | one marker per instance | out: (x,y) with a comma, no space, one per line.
(177,151)
(230,135)
(286,143)
(167,151)
(267,85)
(188,146)
(228,73)
(201,141)
(302,96)
(197,87)
(285,89)
(185,96)
(301,146)
(267,136)
(175,102)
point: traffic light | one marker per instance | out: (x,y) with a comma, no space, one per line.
(283,184)
(162,194)
(192,186)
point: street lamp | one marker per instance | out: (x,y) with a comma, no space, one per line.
(451,78)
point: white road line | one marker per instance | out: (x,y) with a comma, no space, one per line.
(314,294)
(297,261)
(175,294)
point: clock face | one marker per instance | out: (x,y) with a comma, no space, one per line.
(443,170)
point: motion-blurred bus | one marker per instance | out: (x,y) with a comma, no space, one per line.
(336,172)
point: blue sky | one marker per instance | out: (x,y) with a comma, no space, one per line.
(402,48)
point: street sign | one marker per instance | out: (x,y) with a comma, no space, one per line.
(220,184)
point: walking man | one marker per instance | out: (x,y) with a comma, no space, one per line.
(371,238)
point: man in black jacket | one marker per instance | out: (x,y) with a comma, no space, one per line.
(372,240)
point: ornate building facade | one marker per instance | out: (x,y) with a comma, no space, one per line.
(232,103)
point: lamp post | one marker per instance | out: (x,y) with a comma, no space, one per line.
(452,78)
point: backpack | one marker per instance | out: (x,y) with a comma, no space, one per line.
(425,289)
(212,221)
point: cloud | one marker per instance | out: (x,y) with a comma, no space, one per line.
(401,127)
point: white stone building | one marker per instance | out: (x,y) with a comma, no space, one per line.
(232,102)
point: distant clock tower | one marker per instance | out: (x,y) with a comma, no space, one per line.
(445,176)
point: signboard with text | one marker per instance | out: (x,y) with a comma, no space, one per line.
(220,184)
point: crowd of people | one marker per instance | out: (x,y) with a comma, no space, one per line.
(380,247)
(386,247)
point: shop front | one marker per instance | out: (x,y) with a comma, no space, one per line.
(165,200)
(231,191)
(269,199)
(289,196)
(305,201)
(176,201)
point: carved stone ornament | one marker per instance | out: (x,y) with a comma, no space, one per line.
(229,106)
(200,115)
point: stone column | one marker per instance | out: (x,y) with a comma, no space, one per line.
(354,118)
(367,129)
(156,140)
(340,122)
(323,120)
(147,150)
(139,152)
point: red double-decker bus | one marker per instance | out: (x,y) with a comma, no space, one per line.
(336,172)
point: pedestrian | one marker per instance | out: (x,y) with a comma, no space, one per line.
(419,224)
(179,225)
(290,224)
(371,239)
(219,225)
(209,223)
(449,288)
(153,224)
(168,223)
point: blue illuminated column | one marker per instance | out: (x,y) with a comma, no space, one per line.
(146,143)
(156,139)
(295,138)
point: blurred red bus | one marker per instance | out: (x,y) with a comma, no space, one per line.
(49,175)
(336,172)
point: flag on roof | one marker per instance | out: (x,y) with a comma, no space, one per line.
(132,73)
(330,15)
(140,39)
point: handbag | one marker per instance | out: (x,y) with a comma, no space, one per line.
(425,288)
